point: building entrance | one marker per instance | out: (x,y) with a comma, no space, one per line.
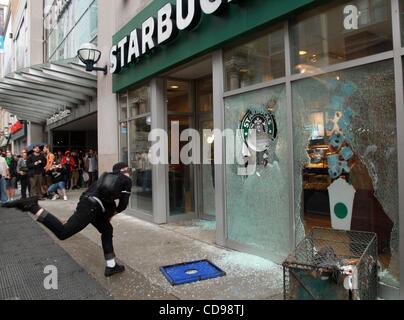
(190,106)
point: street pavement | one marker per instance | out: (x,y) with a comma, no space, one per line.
(143,248)
(26,250)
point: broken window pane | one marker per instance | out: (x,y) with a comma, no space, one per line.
(345,135)
(258,205)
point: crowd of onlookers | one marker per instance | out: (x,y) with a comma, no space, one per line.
(40,173)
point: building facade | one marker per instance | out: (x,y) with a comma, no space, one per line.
(320,82)
(23,33)
(45,86)
(67,26)
(322,79)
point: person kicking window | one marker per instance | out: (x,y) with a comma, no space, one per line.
(96,206)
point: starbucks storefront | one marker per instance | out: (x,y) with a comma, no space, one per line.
(321,82)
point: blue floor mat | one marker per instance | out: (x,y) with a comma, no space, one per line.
(185,273)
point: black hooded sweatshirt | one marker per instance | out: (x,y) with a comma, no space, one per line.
(111,187)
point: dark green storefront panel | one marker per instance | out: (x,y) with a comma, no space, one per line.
(212,32)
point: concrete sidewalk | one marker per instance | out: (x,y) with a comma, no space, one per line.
(145,247)
(25,251)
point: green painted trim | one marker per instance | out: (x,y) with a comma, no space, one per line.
(212,32)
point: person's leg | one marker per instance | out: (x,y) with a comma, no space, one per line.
(83,216)
(62,190)
(76,179)
(38,181)
(8,189)
(80,180)
(13,185)
(94,174)
(69,181)
(53,192)
(53,189)
(12,193)
(90,180)
(44,186)
(107,233)
(29,185)
(102,224)
(32,181)
(24,186)
(3,190)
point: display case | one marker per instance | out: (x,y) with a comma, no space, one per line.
(316,179)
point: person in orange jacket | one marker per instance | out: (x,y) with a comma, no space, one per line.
(69,163)
(50,160)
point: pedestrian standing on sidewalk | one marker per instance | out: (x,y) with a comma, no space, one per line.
(75,170)
(96,206)
(4,173)
(81,169)
(22,170)
(50,160)
(68,163)
(36,164)
(11,180)
(92,165)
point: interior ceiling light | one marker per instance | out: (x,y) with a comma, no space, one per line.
(302,52)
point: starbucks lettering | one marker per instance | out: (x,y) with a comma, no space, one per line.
(162,29)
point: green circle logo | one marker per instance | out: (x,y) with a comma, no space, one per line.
(341,211)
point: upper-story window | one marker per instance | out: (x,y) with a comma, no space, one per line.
(257,61)
(21,46)
(68,25)
(340,31)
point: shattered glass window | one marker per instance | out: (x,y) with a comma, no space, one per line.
(258,204)
(345,146)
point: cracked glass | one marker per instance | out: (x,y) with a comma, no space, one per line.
(258,205)
(345,146)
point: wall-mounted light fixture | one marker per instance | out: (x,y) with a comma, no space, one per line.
(90,55)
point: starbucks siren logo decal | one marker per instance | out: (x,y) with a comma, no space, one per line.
(266,131)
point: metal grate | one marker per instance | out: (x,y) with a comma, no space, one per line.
(332,265)
(26,249)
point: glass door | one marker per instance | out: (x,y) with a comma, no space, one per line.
(206,171)
(180,176)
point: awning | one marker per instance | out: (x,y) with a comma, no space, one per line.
(39,92)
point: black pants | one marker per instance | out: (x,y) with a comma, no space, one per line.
(24,186)
(87,212)
(93,178)
(68,180)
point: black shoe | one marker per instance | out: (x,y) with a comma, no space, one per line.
(26,205)
(109,272)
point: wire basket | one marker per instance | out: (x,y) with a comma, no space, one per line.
(333,265)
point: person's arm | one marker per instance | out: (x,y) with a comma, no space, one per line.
(19,166)
(124,196)
(51,162)
(30,163)
(7,170)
